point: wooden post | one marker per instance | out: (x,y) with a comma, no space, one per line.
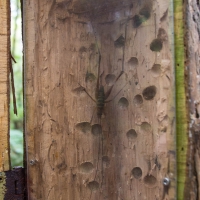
(129,151)
(4,84)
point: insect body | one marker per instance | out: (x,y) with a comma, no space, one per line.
(100,101)
(100,96)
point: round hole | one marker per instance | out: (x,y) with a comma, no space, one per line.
(123,103)
(86,167)
(138,100)
(106,161)
(90,77)
(137,21)
(93,185)
(83,127)
(146,127)
(156,45)
(150,180)
(110,79)
(96,129)
(131,134)
(149,92)
(137,172)
(156,70)
(120,42)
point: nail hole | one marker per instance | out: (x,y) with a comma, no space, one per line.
(156,70)
(110,79)
(156,45)
(149,92)
(96,129)
(138,100)
(106,161)
(93,185)
(123,103)
(146,127)
(120,42)
(150,181)
(86,167)
(131,134)
(84,127)
(136,172)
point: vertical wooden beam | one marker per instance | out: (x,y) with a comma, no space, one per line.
(131,150)
(4,83)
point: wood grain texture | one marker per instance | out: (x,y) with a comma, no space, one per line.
(4,83)
(71,155)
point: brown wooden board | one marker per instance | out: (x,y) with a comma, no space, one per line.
(129,151)
(4,83)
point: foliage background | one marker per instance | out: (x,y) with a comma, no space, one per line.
(16,122)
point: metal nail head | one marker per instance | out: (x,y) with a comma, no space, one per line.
(166,181)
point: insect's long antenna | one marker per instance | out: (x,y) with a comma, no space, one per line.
(124,44)
(99,62)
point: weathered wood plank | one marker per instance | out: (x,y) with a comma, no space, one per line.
(73,155)
(4,83)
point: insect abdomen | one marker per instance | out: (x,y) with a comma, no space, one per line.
(100,102)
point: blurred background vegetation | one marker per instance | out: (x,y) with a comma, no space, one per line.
(16,122)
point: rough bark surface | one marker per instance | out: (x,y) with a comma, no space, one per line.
(4,83)
(193,73)
(73,154)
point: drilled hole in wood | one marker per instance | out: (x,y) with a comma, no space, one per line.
(156,45)
(96,129)
(137,172)
(138,100)
(106,161)
(131,134)
(86,167)
(150,180)
(149,92)
(120,42)
(133,62)
(123,103)
(83,127)
(110,79)
(162,34)
(145,126)
(90,77)
(137,21)
(93,185)
(146,11)
(82,49)
(156,70)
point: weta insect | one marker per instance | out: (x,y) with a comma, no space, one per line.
(100,95)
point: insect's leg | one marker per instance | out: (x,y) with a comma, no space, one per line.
(115,95)
(99,64)
(87,93)
(110,89)
(97,168)
(93,114)
(119,91)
